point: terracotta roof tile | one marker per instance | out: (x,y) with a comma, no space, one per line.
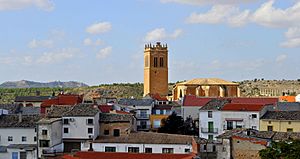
(242,107)
(114,155)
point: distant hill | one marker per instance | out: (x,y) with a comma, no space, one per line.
(32,84)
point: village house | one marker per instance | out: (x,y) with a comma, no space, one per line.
(280,121)
(142,109)
(35,101)
(159,113)
(220,115)
(116,124)
(147,142)
(18,136)
(49,133)
(80,126)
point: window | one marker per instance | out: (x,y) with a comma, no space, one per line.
(229,125)
(210,137)
(290,122)
(289,129)
(90,130)
(44,143)
(148,150)
(214,148)
(155,61)
(204,147)
(116,132)
(270,122)
(90,121)
(110,149)
(161,62)
(10,138)
(143,113)
(23,155)
(106,132)
(34,139)
(24,139)
(254,115)
(209,114)
(167,150)
(44,132)
(66,130)
(66,121)
(270,128)
(187,150)
(156,123)
(133,149)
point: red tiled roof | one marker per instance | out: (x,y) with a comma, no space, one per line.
(122,112)
(114,155)
(254,100)
(242,107)
(63,99)
(159,98)
(105,108)
(192,100)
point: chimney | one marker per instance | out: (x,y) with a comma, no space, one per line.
(20,117)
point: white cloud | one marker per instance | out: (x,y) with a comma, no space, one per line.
(87,42)
(281,58)
(207,2)
(46,5)
(99,28)
(90,42)
(161,34)
(57,56)
(221,14)
(292,38)
(290,43)
(104,53)
(40,43)
(6,60)
(268,15)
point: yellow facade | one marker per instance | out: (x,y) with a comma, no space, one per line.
(280,125)
(157,117)
(156,69)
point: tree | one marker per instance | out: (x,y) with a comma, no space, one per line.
(172,125)
(282,150)
(175,124)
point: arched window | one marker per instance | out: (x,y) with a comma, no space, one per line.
(155,61)
(161,62)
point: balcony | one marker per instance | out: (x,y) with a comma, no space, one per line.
(209,130)
(142,116)
(143,127)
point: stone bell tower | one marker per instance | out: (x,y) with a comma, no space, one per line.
(156,69)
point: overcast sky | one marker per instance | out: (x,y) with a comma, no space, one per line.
(102,41)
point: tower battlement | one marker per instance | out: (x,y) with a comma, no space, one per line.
(158,45)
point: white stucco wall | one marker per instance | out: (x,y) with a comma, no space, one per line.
(54,135)
(247,122)
(78,129)
(156,148)
(17,134)
(203,123)
(29,154)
